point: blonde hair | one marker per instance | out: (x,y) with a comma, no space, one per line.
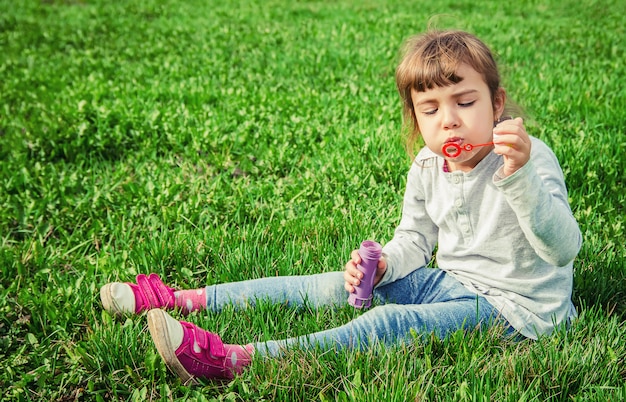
(431,60)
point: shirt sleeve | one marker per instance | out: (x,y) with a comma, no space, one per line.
(538,196)
(415,237)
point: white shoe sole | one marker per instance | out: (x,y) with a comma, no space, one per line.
(108,302)
(159,330)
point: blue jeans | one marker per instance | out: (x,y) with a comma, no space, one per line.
(426,301)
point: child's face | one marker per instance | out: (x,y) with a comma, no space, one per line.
(462,113)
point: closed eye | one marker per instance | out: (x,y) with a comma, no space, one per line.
(467,104)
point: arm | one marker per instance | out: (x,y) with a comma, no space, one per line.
(416,235)
(534,187)
(537,194)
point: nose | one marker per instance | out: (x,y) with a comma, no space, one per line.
(450,119)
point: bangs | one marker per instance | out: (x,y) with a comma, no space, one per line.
(435,75)
(436,68)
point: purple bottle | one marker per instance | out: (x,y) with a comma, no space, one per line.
(370,253)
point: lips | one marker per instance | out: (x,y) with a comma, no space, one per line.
(452,147)
(454,140)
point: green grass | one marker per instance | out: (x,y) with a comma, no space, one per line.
(215,141)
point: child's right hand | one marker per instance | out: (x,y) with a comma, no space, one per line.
(353,276)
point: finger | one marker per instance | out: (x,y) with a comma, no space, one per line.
(511,128)
(352,281)
(508,139)
(352,272)
(517,141)
(349,278)
(356,258)
(506,150)
(346,275)
(356,274)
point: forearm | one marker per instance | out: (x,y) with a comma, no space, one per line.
(541,207)
(403,255)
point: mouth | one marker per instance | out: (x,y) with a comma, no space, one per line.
(452,147)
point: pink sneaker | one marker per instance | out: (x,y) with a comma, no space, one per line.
(191,352)
(149,292)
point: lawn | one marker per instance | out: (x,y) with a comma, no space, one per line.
(213,141)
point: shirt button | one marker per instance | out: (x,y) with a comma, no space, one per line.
(457,179)
(458,203)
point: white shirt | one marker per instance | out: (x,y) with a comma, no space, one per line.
(511,240)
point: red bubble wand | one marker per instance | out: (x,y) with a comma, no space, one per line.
(452,150)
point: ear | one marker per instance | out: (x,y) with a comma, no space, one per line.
(499,102)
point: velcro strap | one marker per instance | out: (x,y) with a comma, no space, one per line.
(207,341)
(147,292)
(162,292)
(216,346)
(154,292)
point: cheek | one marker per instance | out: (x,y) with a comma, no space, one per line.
(422,128)
(430,125)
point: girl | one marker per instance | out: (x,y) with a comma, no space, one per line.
(498,215)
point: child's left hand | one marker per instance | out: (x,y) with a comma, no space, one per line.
(513,143)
